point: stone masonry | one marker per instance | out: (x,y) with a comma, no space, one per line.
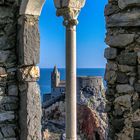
(9,96)
(123,69)
(20,106)
(30,111)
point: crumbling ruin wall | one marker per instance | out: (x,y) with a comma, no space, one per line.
(123,68)
(9,95)
(20,104)
(20,107)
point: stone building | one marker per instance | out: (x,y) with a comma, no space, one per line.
(20,105)
(58,86)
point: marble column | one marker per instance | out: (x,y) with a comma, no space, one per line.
(70,10)
(71,125)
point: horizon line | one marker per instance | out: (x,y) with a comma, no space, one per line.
(76,68)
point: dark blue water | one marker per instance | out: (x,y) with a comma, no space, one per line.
(45,76)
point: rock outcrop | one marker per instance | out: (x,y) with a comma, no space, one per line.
(91,119)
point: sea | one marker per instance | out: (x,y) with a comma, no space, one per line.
(45,76)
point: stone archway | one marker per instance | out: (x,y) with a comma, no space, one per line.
(122,70)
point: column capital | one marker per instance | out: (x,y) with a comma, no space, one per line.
(70,10)
(70,16)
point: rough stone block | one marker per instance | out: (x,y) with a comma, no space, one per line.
(13,90)
(111,66)
(120,40)
(110,9)
(6,16)
(10,35)
(2,72)
(118,124)
(123,101)
(2,90)
(12,3)
(4,56)
(126,68)
(31,73)
(128,3)
(127,59)
(7,116)
(127,19)
(108,107)
(136,134)
(7,42)
(110,92)
(8,100)
(136,124)
(11,77)
(30,111)
(9,107)
(137,87)
(132,80)
(124,88)
(29,41)
(110,53)
(1,2)
(122,78)
(8,131)
(8,58)
(118,111)
(110,76)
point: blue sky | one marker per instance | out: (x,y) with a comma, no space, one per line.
(90,36)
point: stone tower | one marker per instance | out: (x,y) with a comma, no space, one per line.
(55,77)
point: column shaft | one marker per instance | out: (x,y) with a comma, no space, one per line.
(71,122)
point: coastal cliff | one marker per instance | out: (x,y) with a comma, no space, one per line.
(91,119)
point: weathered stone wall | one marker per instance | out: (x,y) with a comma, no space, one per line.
(30,112)
(123,68)
(20,104)
(9,101)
